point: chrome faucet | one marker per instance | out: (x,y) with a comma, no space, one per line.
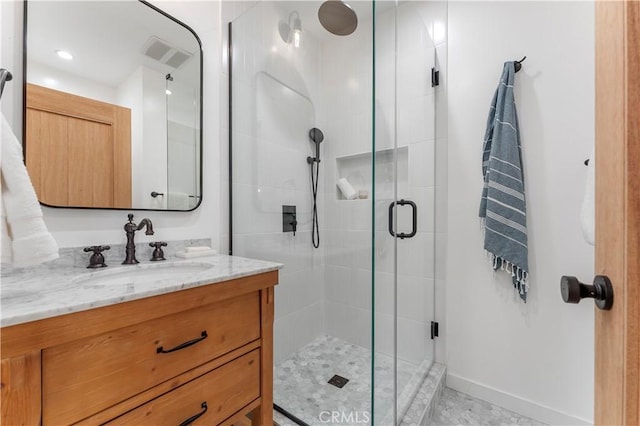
(130,229)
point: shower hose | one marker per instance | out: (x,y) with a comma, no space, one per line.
(315,229)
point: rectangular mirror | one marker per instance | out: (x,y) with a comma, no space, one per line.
(113,106)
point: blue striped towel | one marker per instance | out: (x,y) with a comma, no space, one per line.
(502,207)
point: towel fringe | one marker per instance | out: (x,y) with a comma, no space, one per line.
(520,276)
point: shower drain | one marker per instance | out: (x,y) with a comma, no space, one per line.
(338,381)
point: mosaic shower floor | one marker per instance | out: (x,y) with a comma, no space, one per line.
(300,387)
(300,383)
(456,408)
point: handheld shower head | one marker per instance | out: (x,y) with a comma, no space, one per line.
(316,137)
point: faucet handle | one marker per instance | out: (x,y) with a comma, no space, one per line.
(96,249)
(97,258)
(130,215)
(158,254)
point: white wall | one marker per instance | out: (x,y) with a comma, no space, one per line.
(535,358)
(130,95)
(46,76)
(72,227)
(144,93)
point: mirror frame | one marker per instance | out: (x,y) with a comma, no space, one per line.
(201,115)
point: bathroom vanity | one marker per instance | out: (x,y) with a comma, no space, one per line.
(104,349)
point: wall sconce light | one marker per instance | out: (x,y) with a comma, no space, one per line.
(291,31)
(168,78)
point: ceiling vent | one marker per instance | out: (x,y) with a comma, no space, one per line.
(165,53)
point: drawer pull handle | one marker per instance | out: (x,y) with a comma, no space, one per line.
(196,416)
(203,336)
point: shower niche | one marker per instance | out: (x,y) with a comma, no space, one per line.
(358,170)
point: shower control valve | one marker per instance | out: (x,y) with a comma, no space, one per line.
(289,219)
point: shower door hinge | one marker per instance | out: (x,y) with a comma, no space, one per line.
(434,330)
(435,77)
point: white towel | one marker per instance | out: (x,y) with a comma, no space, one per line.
(587,215)
(197,249)
(348,191)
(25,238)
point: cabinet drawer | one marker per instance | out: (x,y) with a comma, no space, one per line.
(224,390)
(86,376)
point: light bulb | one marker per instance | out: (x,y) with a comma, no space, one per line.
(296,38)
(168,92)
(296,26)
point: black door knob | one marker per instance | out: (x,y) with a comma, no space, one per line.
(601,290)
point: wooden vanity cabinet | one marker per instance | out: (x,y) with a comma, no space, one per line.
(205,352)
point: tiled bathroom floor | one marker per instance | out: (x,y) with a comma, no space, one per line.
(455,408)
(300,382)
(300,387)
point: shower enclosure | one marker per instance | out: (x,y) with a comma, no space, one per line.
(355,302)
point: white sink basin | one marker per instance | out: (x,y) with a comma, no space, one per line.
(141,273)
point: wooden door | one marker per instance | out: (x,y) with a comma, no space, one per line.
(617,332)
(78,150)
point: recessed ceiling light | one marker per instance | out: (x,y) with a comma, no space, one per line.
(64,55)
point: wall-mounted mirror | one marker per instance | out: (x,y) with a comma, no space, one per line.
(113,106)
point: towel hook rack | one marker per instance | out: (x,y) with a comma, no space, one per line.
(5,76)
(518,64)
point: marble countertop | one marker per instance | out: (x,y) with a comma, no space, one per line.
(30,295)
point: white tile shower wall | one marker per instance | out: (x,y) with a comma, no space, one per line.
(73,228)
(347,71)
(275,104)
(535,358)
(346,120)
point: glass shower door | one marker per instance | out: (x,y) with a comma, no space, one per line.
(404,254)
(353,313)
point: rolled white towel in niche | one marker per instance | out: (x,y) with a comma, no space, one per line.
(348,191)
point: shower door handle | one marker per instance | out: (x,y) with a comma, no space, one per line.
(414,221)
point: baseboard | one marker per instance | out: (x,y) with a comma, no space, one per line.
(514,403)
